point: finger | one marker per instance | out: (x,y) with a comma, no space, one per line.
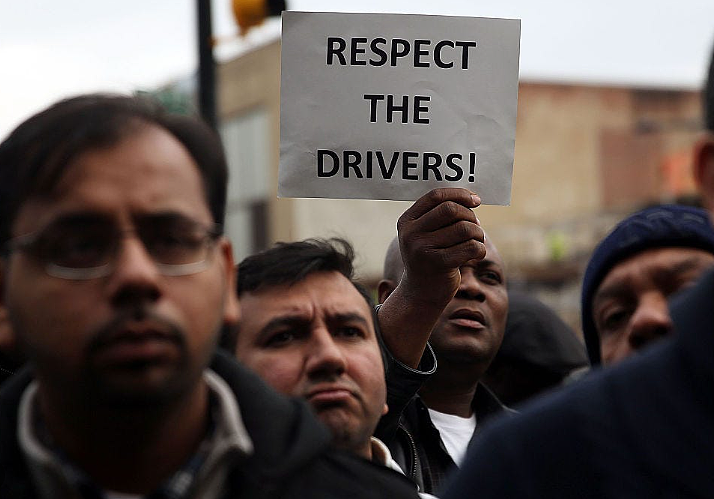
(458,255)
(474,262)
(435,197)
(446,237)
(442,215)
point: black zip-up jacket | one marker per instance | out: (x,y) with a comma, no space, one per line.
(413,440)
(403,383)
(5,374)
(292,457)
(418,446)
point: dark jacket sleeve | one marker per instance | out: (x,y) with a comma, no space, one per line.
(403,382)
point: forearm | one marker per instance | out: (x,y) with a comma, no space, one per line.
(406,321)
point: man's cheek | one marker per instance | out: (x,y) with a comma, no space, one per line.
(280,372)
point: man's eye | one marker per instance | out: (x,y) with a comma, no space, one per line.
(172,239)
(490,277)
(280,339)
(614,320)
(349,332)
(684,282)
(175,247)
(77,251)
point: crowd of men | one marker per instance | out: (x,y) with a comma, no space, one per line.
(139,361)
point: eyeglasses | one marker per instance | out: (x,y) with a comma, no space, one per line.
(81,247)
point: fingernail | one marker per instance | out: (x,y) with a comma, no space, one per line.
(478,222)
(476,199)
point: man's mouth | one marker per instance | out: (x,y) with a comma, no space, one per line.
(137,344)
(326,395)
(468,318)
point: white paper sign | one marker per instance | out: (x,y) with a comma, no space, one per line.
(389,106)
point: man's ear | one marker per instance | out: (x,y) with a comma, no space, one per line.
(3,270)
(4,267)
(7,338)
(384,289)
(703,165)
(231,312)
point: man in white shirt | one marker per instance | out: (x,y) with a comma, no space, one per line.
(438,424)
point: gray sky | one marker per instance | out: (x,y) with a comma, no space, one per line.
(51,49)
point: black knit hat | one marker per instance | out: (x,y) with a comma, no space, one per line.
(536,335)
(660,226)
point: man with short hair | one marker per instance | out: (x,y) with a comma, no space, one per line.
(440,422)
(304,290)
(649,256)
(310,331)
(117,279)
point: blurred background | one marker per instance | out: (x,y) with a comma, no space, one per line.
(608,109)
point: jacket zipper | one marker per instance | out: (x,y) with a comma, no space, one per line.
(412,446)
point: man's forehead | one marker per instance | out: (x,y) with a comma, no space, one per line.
(326,293)
(492,253)
(665,262)
(146,170)
(492,259)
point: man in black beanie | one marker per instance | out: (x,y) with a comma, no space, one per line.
(649,256)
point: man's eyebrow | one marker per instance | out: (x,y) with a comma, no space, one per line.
(614,290)
(348,317)
(79,217)
(617,289)
(689,263)
(290,320)
(486,262)
(163,216)
(90,216)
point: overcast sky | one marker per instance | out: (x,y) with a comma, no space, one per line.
(51,49)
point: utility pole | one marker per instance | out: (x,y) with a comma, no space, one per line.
(206,65)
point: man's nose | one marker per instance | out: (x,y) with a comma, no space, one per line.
(650,321)
(135,276)
(325,356)
(470,287)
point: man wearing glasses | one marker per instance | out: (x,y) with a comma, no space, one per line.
(117,279)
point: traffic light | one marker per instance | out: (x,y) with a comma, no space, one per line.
(249,13)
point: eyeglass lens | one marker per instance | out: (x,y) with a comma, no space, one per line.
(88,241)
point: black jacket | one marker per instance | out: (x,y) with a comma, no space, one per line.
(5,374)
(417,445)
(641,429)
(413,440)
(292,458)
(403,383)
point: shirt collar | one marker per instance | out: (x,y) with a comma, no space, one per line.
(56,476)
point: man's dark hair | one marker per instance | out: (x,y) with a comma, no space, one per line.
(34,157)
(709,96)
(290,263)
